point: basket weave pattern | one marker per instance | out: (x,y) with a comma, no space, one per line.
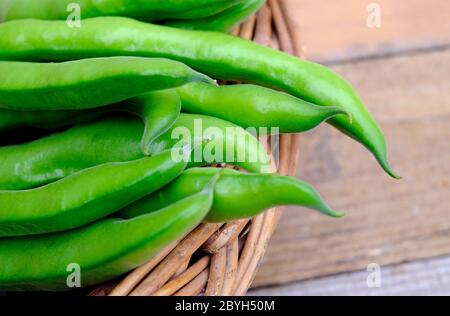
(220,259)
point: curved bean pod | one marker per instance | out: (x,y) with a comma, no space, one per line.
(245,105)
(87,83)
(237,195)
(223,21)
(158,109)
(59,155)
(204,51)
(102,250)
(11,119)
(146,10)
(254,106)
(85,196)
(227,143)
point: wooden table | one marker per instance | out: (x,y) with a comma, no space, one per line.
(402,72)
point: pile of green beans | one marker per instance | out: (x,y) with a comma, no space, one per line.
(136,128)
(104,250)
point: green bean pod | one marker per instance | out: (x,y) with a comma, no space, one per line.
(11,119)
(204,51)
(227,143)
(254,106)
(159,110)
(61,154)
(237,195)
(245,105)
(85,196)
(87,83)
(146,10)
(223,21)
(102,250)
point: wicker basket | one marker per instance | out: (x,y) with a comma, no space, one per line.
(220,259)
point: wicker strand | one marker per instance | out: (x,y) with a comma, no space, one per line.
(248,28)
(168,267)
(182,268)
(231,267)
(283,33)
(196,286)
(184,278)
(285,148)
(133,279)
(217,273)
(228,233)
(102,290)
(263,31)
(235,31)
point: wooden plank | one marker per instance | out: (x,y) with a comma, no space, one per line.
(388,221)
(337,30)
(423,277)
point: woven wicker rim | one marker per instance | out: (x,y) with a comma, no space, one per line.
(220,259)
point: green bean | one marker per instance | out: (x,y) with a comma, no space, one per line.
(253,106)
(87,83)
(85,196)
(205,51)
(59,155)
(245,105)
(11,119)
(237,195)
(223,21)
(227,143)
(102,250)
(158,109)
(147,10)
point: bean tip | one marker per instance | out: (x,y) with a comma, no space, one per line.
(384,162)
(209,187)
(391,172)
(337,214)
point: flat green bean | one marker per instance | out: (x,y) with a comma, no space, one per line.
(85,196)
(87,83)
(227,143)
(61,154)
(237,195)
(253,106)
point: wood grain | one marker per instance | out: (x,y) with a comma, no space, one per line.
(422,277)
(331,31)
(388,221)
